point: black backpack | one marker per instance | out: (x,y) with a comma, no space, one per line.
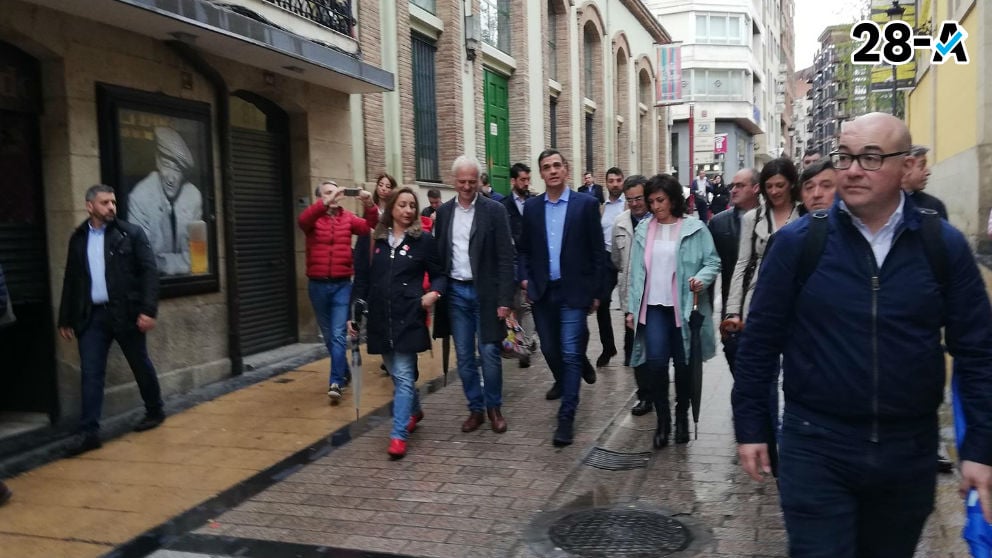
(816,241)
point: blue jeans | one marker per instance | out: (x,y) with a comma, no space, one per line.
(663,343)
(463,310)
(843,497)
(406,400)
(330,300)
(94,344)
(563,333)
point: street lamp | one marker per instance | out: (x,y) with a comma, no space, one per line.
(894,12)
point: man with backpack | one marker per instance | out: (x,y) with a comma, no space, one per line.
(854,299)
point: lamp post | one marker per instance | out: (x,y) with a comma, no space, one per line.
(894,12)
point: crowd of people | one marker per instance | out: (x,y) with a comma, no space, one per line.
(843,278)
(826,266)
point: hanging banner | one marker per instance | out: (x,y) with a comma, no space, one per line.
(720,143)
(668,66)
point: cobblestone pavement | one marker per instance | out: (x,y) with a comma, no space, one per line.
(488,495)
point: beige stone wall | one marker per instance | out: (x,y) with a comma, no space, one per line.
(189,346)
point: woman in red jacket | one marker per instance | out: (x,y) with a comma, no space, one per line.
(329,228)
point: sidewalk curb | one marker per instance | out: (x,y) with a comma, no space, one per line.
(164,534)
(51,444)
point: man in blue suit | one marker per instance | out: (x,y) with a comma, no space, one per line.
(561,261)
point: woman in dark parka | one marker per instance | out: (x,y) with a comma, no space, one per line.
(389,276)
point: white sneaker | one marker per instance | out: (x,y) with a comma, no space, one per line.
(334,393)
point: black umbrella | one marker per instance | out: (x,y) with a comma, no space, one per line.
(696,359)
(360,310)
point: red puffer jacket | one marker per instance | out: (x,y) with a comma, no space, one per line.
(329,239)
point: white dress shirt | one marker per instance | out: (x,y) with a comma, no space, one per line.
(610,211)
(881,241)
(461,230)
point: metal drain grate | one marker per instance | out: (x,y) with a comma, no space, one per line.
(612,533)
(616,461)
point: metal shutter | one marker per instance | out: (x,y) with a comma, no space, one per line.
(262,241)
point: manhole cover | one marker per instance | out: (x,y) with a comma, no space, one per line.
(616,461)
(611,533)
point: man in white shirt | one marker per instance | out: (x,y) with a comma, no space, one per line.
(701,189)
(611,208)
(476,253)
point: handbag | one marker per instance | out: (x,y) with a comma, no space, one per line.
(514,345)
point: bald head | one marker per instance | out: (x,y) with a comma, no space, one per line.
(885,128)
(882,142)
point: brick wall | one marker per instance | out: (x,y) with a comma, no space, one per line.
(370,40)
(519,86)
(563,58)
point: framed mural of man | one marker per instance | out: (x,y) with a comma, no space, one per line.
(155,150)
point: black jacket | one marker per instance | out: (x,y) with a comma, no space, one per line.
(725,227)
(860,347)
(925,200)
(596,191)
(131,275)
(491,255)
(516,217)
(392,284)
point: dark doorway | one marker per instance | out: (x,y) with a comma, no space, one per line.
(263,231)
(28,396)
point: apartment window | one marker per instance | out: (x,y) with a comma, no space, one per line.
(589,46)
(552,49)
(720,29)
(589,149)
(553,122)
(718,85)
(495,20)
(425,110)
(429,5)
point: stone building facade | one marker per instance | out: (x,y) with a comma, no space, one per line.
(260,93)
(505,79)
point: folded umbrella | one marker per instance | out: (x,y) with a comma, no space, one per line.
(359,313)
(695,360)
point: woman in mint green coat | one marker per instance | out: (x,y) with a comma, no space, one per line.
(672,257)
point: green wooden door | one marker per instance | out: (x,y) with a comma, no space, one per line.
(497,132)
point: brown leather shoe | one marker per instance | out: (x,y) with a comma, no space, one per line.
(496,420)
(473,422)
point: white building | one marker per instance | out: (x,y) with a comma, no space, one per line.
(732,79)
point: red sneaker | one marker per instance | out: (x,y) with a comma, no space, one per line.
(397,448)
(414,420)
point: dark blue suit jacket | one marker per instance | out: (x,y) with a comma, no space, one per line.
(582,254)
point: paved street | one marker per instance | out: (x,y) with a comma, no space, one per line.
(256,473)
(489,495)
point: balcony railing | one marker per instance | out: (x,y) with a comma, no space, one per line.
(333,14)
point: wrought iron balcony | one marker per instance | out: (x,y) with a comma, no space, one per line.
(333,14)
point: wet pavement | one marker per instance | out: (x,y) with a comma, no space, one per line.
(272,470)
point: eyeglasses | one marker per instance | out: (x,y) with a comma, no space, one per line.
(635,199)
(868,161)
(735,185)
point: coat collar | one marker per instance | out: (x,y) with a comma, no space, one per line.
(413,231)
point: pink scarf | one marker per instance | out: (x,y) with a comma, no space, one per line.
(648,249)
